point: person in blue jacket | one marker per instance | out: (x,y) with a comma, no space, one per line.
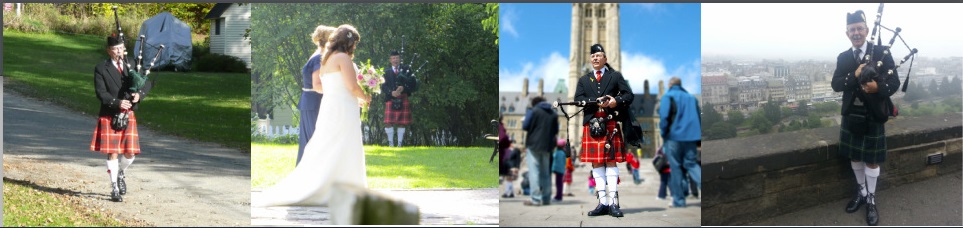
(681,125)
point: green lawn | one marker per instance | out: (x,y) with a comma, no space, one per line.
(212,107)
(26,206)
(391,167)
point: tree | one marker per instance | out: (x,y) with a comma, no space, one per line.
(491,23)
(946,88)
(813,121)
(760,122)
(772,111)
(933,88)
(451,106)
(802,109)
(711,116)
(957,86)
(736,117)
(721,130)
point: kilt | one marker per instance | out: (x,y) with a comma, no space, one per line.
(869,147)
(593,148)
(108,141)
(569,168)
(400,117)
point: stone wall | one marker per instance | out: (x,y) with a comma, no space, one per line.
(754,178)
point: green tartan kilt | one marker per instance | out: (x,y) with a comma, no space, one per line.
(869,147)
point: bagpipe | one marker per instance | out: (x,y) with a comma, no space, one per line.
(882,110)
(406,75)
(597,125)
(873,63)
(137,76)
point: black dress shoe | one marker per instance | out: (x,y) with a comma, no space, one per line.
(115,194)
(614,211)
(872,215)
(599,210)
(121,184)
(854,204)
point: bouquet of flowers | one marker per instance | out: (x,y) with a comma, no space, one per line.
(370,80)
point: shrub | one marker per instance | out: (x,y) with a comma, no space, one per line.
(220,63)
(43,18)
(200,49)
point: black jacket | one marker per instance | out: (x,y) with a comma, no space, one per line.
(392,83)
(612,84)
(844,81)
(541,123)
(111,87)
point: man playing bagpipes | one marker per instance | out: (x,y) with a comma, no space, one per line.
(116,130)
(606,95)
(398,86)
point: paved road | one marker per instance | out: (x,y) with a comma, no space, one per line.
(639,203)
(174,182)
(933,202)
(437,207)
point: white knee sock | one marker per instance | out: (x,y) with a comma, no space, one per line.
(125,162)
(599,175)
(872,176)
(112,170)
(391,134)
(401,135)
(509,187)
(858,170)
(611,182)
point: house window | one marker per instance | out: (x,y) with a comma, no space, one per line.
(588,12)
(217,26)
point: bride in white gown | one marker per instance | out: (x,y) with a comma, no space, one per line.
(335,152)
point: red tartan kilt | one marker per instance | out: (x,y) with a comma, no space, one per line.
(401,117)
(108,141)
(593,149)
(567,178)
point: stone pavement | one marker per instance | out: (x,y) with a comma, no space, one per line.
(933,202)
(639,203)
(437,207)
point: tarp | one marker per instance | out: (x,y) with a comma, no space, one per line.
(174,34)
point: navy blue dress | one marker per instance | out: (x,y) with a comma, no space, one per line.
(308,105)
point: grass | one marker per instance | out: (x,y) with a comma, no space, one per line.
(26,206)
(391,167)
(211,107)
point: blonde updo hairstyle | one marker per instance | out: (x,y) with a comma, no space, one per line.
(321,34)
(344,39)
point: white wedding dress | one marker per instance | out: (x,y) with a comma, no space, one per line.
(334,154)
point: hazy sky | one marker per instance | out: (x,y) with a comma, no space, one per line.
(658,41)
(817,31)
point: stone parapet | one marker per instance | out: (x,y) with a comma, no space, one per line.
(752,178)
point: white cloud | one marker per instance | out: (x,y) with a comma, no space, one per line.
(551,68)
(647,8)
(506,21)
(817,31)
(637,68)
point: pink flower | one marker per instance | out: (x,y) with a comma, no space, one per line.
(372,83)
(371,71)
(360,77)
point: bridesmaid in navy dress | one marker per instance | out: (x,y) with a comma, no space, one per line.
(311,92)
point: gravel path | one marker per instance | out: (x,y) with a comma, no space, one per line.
(174,182)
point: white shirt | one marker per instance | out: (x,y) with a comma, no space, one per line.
(862,49)
(603,71)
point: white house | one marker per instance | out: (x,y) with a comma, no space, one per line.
(229,22)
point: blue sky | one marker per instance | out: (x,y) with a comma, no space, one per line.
(658,41)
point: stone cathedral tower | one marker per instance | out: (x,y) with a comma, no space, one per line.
(592,23)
